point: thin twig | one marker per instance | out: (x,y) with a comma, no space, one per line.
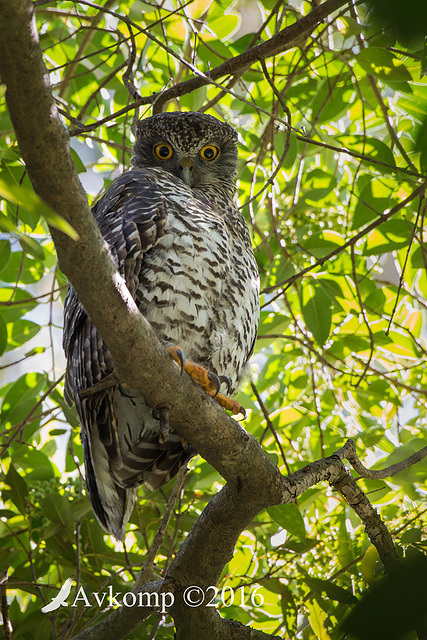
(402,275)
(147,568)
(419,191)
(7,626)
(348,451)
(270,426)
(365,319)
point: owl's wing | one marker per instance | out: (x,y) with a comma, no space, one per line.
(131,216)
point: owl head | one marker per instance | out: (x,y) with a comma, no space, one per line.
(195,147)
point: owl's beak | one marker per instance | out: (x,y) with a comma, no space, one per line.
(185,174)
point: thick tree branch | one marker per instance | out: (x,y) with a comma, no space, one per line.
(121,621)
(87,263)
(211,541)
(375,528)
(254,481)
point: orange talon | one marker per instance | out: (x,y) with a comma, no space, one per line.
(207,380)
(231,405)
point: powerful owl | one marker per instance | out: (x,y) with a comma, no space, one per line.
(185,252)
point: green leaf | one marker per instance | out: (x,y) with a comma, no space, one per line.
(370,563)
(395,606)
(15,303)
(371,147)
(289,611)
(288,517)
(411,536)
(374,199)
(4,253)
(18,489)
(349,26)
(21,397)
(33,459)
(214,54)
(57,508)
(317,620)
(419,257)
(80,168)
(80,508)
(8,226)
(22,195)
(280,140)
(322,243)
(225,25)
(329,105)
(24,267)
(407,20)
(20,332)
(333,591)
(316,311)
(383,65)
(390,235)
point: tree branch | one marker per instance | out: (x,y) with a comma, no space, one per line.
(254,481)
(348,451)
(87,264)
(285,284)
(199,563)
(279,43)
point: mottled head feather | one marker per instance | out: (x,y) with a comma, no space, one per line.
(188,133)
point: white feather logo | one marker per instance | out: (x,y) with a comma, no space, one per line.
(61,598)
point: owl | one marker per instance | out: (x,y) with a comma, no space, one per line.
(185,252)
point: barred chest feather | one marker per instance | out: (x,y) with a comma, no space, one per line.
(198,288)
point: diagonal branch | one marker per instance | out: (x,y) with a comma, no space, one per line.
(348,451)
(285,284)
(199,564)
(143,363)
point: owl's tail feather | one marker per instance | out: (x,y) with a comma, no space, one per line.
(111,503)
(112,484)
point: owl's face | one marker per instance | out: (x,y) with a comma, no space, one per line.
(195,147)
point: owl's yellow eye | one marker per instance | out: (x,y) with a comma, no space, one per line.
(163,151)
(209,152)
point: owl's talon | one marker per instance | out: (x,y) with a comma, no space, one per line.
(163,413)
(181,358)
(178,356)
(216,381)
(208,380)
(227,381)
(231,405)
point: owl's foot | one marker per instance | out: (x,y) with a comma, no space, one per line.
(207,380)
(162,414)
(106,383)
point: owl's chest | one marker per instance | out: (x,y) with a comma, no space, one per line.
(198,288)
(182,276)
